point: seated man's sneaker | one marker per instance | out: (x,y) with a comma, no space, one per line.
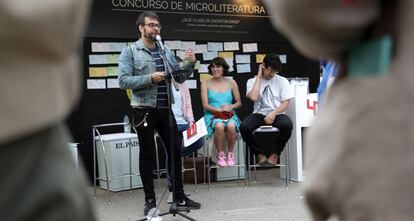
(272,160)
(149,205)
(187,202)
(262,159)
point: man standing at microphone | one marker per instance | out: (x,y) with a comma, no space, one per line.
(142,69)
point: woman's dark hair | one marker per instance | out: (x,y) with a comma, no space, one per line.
(273,61)
(146,14)
(218,61)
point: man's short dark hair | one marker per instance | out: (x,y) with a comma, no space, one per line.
(146,14)
(218,61)
(272,61)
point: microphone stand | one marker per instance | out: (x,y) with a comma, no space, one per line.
(169,68)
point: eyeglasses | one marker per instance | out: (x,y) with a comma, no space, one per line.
(152,25)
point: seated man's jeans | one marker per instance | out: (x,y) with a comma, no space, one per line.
(254,121)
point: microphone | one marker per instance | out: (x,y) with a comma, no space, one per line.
(160,44)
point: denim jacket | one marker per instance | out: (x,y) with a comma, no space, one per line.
(136,66)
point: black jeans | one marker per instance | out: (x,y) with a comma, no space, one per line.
(254,121)
(157,119)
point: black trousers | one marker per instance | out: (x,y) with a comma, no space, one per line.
(254,121)
(157,119)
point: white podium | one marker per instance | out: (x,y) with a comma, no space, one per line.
(114,150)
(302,111)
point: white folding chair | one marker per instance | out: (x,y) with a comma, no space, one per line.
(240,162)
(268,138)
(159,171)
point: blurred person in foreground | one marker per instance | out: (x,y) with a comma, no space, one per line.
(360,147)
(39,80)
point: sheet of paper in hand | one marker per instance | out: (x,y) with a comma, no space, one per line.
(201,131)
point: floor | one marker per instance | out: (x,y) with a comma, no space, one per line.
(268,199)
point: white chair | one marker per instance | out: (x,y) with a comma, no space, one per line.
(194,169)
(267,136)
(240,161)
(159,171)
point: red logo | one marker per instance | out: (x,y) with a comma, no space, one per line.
(311,105)
(191,130)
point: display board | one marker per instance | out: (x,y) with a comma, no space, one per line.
(101,65)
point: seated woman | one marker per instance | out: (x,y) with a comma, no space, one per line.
(217,95)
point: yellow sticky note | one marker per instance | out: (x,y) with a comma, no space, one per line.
(226,54)
(112,58)
(98,72)
(205,77)
(259,58)
(112,71)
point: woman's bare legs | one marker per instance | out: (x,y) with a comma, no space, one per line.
(231,140)
(219,142)
(231,136)
(219,136)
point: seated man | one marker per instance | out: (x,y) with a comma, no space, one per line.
(270,93)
